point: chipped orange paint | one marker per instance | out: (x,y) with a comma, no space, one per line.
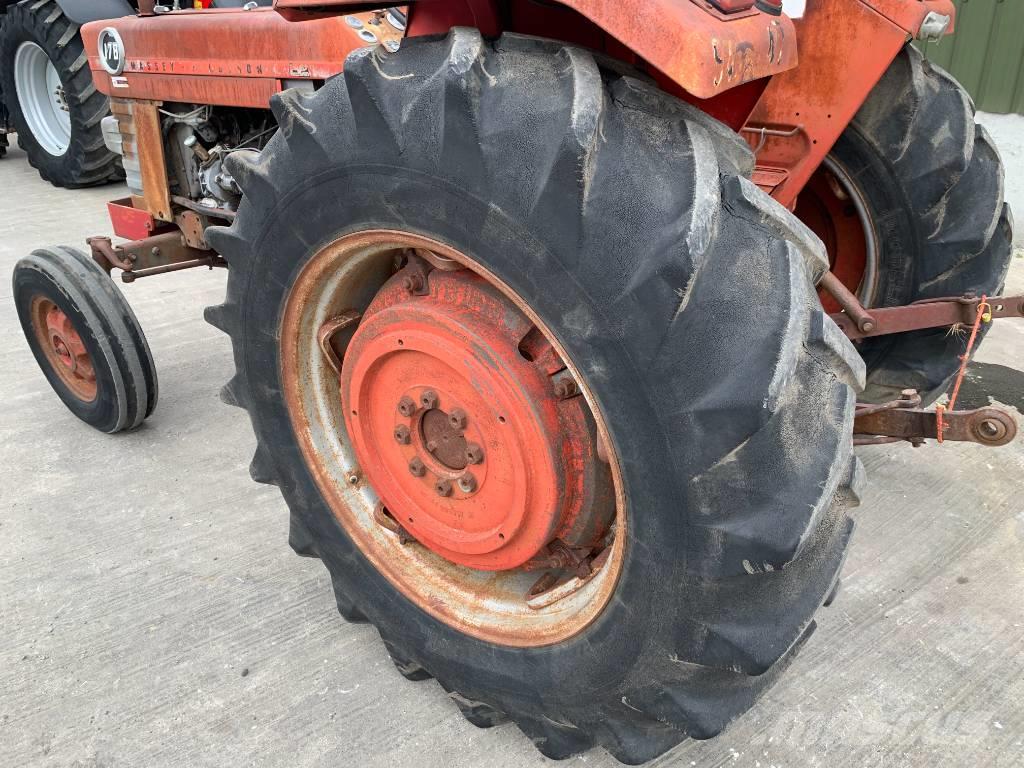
(226,57)
(705,52)
(455,349)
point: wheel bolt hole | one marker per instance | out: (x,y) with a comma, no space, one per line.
(467,483)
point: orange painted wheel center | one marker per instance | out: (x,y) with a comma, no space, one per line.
(450,401)
(64,348)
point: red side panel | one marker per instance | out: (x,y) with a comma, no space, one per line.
(229,57)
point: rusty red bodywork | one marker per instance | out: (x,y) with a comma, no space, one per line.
(208,57)
(740,67)
(846,47)
(226,57)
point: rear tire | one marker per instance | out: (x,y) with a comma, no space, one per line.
(684,297)
(63,141)
(933,183)
(120,389)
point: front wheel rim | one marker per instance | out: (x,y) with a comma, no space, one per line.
(42,98)
(506,605)
(63,348)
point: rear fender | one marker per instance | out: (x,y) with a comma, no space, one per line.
(702,51)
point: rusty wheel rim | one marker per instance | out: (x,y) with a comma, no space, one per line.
(834,208)
(483,491)
(63,348)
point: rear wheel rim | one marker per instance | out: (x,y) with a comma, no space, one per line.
(836,210)
(63,348)
(359,447)
(42,98)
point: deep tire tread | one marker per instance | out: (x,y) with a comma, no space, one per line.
(921,123)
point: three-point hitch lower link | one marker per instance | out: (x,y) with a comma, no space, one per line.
(904,419)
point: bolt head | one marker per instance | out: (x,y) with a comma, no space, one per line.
(467,483)
(407,406)
(443,487)
(565,387)
(474,453)
(416,467)
(402,435)
(429,399)
(458,419)
(413,282)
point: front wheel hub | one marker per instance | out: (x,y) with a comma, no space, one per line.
(451,403)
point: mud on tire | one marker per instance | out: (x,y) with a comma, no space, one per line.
(683,295)
(933,181)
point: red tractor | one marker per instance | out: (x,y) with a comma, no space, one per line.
(557,322)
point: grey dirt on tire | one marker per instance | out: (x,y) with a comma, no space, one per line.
(684,297)
(933,181)
(86,161)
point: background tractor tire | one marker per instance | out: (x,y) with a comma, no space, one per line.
(933,182)
(685,298)
(123,390)
(54,106)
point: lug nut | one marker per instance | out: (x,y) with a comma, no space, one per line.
(565,387)
(416,467)
(467,483)
(429,399)
(413,282)
(402,434)
(407,406)
(474,453)
(443,487)
(457,418)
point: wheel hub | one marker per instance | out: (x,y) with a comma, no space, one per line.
(459,428)
(64,348)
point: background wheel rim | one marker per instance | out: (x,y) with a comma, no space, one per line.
(42,98)
(63,348)
(497,606)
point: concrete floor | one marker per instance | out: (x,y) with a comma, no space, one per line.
(152,614)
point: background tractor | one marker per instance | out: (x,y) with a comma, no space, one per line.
(556,322)
(47,95)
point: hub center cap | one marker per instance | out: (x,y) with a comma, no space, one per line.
(459,431)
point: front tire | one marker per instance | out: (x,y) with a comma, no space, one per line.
(683,297)
(85,338)
(54,106)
